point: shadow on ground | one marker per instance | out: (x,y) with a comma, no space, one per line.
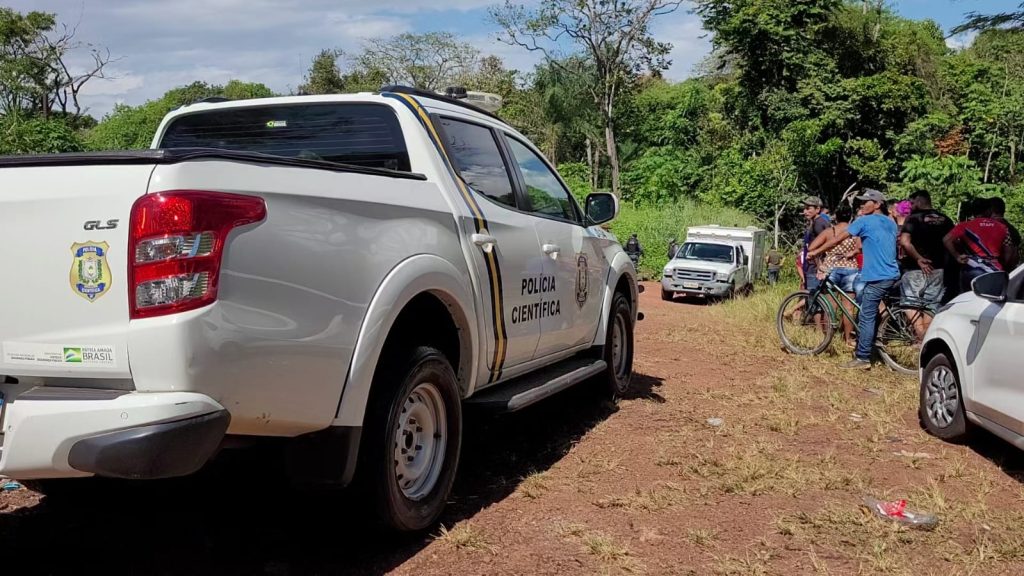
(1006,456)
(239,516)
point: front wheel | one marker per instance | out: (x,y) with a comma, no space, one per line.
(666,295)
(413,438)
(942,406)
(804,325)
(618,347)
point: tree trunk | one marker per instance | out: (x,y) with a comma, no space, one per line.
(778,216)
(590,164)
(988,163)
(1013,159)
(613,154)
(596,176)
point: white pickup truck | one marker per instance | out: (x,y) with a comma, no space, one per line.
(347,272)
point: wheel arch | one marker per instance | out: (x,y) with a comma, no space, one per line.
(423,297)
(621,278)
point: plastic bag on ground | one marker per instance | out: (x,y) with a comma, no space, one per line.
(896,510)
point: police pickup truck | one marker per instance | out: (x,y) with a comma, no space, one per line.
(349,272)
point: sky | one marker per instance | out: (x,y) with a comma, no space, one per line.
(160,45)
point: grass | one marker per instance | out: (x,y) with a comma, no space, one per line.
(702,537)
(655,225)
(465,537)
(535,485)
(659,497)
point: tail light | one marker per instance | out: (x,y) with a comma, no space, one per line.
(176,246)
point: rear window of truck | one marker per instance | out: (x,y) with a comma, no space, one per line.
(357,134)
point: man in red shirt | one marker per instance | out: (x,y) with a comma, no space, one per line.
(981,244)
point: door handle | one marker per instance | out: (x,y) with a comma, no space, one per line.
(485,241)
(551,250)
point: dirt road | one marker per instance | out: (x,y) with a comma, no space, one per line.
(577,486)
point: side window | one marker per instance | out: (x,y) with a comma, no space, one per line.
(476,156)
(547,195)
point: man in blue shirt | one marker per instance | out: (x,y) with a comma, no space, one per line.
(880,272)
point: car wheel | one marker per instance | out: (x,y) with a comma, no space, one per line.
(618,348)
(942,407)
(413,439)
(666,295)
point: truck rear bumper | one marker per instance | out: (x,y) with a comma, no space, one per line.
(66,432)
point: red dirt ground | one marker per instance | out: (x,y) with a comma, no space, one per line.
(578,486)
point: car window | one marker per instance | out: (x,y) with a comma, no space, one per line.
(350,133)
(478,160)
(547,195)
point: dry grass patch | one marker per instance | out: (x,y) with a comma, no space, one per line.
(702,537)
(465,537)
(662,495)
(535,485)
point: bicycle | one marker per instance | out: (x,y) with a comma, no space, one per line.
(807,321)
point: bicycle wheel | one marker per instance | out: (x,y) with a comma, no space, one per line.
(897,340)
(805,327)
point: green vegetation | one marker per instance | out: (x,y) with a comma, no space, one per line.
(655,225)
(797,98)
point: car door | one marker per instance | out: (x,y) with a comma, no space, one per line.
(998,350)
(506,250)
(569,288)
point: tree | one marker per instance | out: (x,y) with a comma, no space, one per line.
(35,74)
(324,76)
(133,127)
(613,34)
(977,21)
(431,61)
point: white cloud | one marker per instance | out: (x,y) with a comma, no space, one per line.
(161,45)
(962,40)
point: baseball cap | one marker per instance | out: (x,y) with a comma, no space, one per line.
(812,201)
(871,194)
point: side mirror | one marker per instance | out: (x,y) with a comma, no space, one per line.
(991,286)
(602,207)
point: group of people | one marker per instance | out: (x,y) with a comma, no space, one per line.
(912,245)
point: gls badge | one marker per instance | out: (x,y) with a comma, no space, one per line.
(97,225)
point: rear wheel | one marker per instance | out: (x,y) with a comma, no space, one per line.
(413,438)
(898,342)
(942,407)
(618,347)
(805,326)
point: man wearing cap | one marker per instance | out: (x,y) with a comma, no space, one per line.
(880,272)
(816,224)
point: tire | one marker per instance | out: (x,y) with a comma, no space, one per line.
(666,295)
(415,412)
(618,348)
(941,409)
(812,345)
(896,341)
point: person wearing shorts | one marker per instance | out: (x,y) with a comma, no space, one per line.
(924,258)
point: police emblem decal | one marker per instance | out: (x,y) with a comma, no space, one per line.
(582,280)
(90,273)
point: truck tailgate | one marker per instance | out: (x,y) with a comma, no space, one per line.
(63,284)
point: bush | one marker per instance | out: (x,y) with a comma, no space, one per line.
(37,136)
(656,224)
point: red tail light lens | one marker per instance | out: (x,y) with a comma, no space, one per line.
(177,244)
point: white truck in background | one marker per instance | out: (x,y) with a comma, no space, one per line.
(346,272)
(715,261)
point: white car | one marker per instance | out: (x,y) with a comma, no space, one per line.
(345,272)
(973,359)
